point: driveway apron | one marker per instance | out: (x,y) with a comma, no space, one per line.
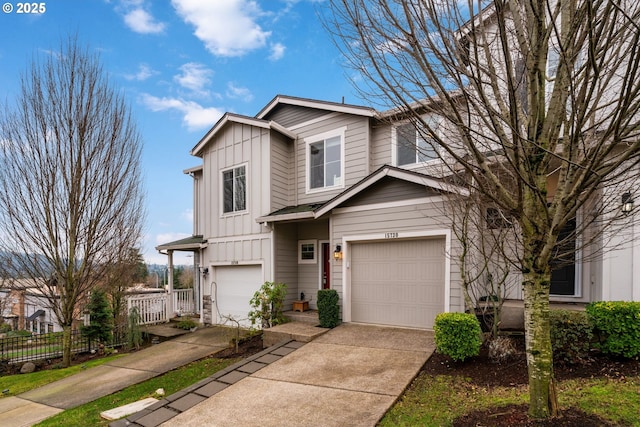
(348,376)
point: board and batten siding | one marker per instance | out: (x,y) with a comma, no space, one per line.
(356,152)
(237,145)
(422,218)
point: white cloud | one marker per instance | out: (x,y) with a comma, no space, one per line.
(163,238)
(194,77)
(195,116)
(236,92)
(143,73)
(277,51)
(226,27)
(141,21)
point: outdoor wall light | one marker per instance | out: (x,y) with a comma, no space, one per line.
(337,254)
(627,202)
(205,271)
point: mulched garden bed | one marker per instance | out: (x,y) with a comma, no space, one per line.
(482,371)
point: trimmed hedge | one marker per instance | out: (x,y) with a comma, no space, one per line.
(617,327)
(457,335)
(571,335)
(328,310)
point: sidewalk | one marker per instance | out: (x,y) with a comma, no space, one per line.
(35,405)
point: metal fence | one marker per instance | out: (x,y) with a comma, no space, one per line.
(18,349)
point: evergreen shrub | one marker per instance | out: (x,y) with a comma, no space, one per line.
(616,326)
(328,309)
(457,335)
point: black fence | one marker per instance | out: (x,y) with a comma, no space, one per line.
(18,349)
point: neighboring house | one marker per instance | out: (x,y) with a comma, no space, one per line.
(317,195)
(25,308)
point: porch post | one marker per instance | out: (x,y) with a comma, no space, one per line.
(170,285)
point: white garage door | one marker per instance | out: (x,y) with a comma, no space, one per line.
(235,288)
(398,282)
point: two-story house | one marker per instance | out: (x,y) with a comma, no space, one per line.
(318,195)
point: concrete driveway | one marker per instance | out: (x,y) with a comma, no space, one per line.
(349,376)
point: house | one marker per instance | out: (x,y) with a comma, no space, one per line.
(24,307)
(319,195)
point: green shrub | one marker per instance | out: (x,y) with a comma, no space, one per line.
(186,324)
(100,318)
(134,333)
(328,309)
(571,335)
(457,335)
(4,327)
(617,326)
(267,305)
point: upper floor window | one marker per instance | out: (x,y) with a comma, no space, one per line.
(325,160)
(234,189)
(414,146)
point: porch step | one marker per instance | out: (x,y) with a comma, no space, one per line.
(309,316)
(298,331)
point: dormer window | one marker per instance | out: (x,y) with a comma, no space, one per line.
(413,146)
(325,160)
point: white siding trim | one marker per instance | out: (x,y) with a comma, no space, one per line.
(341,132)
(247,190)
(246,237)
(346,277)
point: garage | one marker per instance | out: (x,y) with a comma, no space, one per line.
(398,282)
(235,288)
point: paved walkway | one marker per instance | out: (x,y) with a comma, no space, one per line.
(35,405)
(349,376)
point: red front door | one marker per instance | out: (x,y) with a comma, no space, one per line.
(326,262)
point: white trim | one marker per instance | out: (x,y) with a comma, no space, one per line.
(318,105)
(313,242)
(400,235)
(339,132)
(578,266)
(243,238)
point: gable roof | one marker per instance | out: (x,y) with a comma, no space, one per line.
(315,211)
(245,120)
(320,105)
(189,243)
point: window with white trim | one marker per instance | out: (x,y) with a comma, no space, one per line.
(325,160)
(234,189)
(307,250)
(414,146)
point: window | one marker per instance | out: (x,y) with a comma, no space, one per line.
(411,145)
(234,182)
(325,160)
(307,252)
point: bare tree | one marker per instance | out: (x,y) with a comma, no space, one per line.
(543,99)
(71,197)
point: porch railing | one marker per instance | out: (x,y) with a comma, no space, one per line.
(183,301)
(153,308)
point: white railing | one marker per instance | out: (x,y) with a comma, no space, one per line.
(152,308)
(183,301)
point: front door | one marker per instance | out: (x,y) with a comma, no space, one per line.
(326,264)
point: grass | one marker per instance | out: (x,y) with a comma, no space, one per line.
(437,400)
(171,382)
(21,383)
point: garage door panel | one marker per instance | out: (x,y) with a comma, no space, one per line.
(397,283)
(235,288)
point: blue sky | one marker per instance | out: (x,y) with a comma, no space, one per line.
(182,64)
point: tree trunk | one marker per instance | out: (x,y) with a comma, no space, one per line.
(66,346)
(542,396)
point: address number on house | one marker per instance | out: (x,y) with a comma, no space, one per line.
(390,235)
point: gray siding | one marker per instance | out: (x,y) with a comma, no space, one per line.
(356,152)
(380,146)
(281,172)
(291,115)
(390,190)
